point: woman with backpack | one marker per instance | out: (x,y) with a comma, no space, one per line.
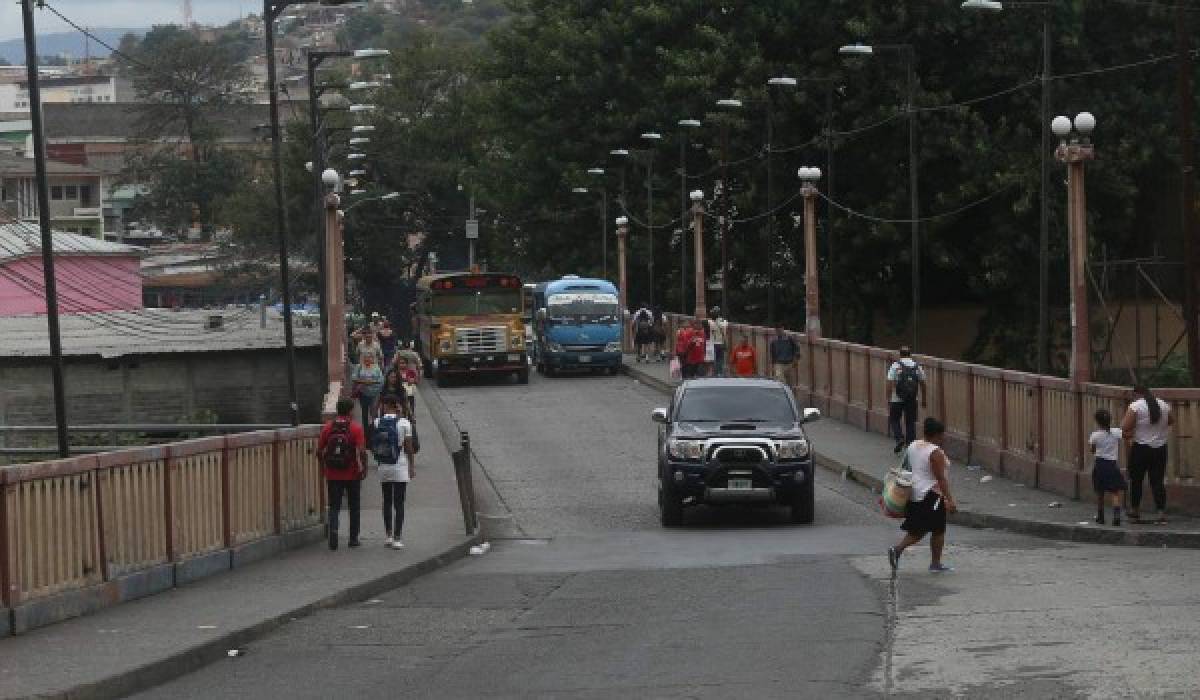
(1147,426)
(392,448)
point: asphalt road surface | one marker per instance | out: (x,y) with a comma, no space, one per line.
(583,595)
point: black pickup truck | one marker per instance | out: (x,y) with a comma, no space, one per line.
(725,441)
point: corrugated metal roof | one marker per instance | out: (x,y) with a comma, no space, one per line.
(20,240)
(149,332)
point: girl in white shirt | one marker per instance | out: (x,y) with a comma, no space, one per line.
(1106,475)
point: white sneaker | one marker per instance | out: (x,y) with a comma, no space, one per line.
(396,544)
(387,542)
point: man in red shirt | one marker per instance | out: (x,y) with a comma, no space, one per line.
(745,359)
(342,449)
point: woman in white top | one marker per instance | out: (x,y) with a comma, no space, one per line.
(1147,425)
(393,450)
(931,499)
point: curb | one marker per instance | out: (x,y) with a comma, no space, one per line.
(988,521)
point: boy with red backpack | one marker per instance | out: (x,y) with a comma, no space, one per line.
(342,449)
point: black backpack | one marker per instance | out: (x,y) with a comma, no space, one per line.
(908,381)
(339,448)
(385,443)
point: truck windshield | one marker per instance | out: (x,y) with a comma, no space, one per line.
(720,404)
(593,307)
(498,301)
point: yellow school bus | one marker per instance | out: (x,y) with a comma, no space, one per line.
(470,323)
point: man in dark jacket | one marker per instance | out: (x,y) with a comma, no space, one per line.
(783,354)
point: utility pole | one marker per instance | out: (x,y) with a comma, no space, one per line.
(770,216)
(829,238)
(43,200)
(701,311)
(723,218)
(271,9)
(1187,147)
(1043,321)
(1075,153)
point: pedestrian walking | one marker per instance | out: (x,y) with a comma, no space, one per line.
(387,343)
(393,388)
(342,450)
(931,498)
(683,343)
(393,451)
(369,345)
(783,354)
(1147,425)
(643,331)
(660,335)
(408,382)
(410,356)
(745,359)
(717,329)
(905,384)
(1106,475)
(368,381)
(695,353)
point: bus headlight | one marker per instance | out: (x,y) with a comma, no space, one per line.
(445,346)
(517,341)
(554,347)
(612,347)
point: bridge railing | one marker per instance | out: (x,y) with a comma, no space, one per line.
(1029,427)
(109,527)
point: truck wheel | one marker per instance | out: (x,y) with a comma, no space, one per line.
(442,380)
(550,371)
(523,376)
(670,508)
(804,505)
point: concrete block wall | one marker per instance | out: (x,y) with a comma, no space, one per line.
(243,386)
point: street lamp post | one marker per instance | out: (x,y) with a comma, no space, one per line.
(697,197)
(333,288)
(906,50)
(271,11)
(781,81)
(1075,150)
(724,194)
(603,220)
(652,137)
(622,279)
(684,143)
(812,302)
(1043,320)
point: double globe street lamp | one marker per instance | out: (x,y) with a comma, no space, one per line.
(1075,149)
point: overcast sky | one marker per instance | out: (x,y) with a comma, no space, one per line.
(122,13)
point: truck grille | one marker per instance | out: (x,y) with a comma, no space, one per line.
(469,341)
(740,454)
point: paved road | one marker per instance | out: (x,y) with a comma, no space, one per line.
(587,597)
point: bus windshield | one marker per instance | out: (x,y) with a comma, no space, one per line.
(488,301)
(596,307)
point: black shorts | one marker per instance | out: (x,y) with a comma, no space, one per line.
(925,516)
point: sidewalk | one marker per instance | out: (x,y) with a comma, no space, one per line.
(985,499)
(129,647)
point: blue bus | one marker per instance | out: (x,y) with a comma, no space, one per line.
(576,326)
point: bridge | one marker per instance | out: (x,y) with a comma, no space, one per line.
(145,565)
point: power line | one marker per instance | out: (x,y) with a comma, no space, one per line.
(935,217)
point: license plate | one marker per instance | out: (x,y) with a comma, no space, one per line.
(741,484)
(584,359)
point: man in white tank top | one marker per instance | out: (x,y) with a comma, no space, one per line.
(931,499)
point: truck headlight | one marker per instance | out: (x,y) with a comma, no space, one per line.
(686,449)
(517,341)
(791,449)
(612,347)
(554,347)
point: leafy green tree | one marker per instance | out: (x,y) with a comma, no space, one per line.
(181,82)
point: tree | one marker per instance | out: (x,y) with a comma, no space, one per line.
(181,83)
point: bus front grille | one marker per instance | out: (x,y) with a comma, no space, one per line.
(468,341)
